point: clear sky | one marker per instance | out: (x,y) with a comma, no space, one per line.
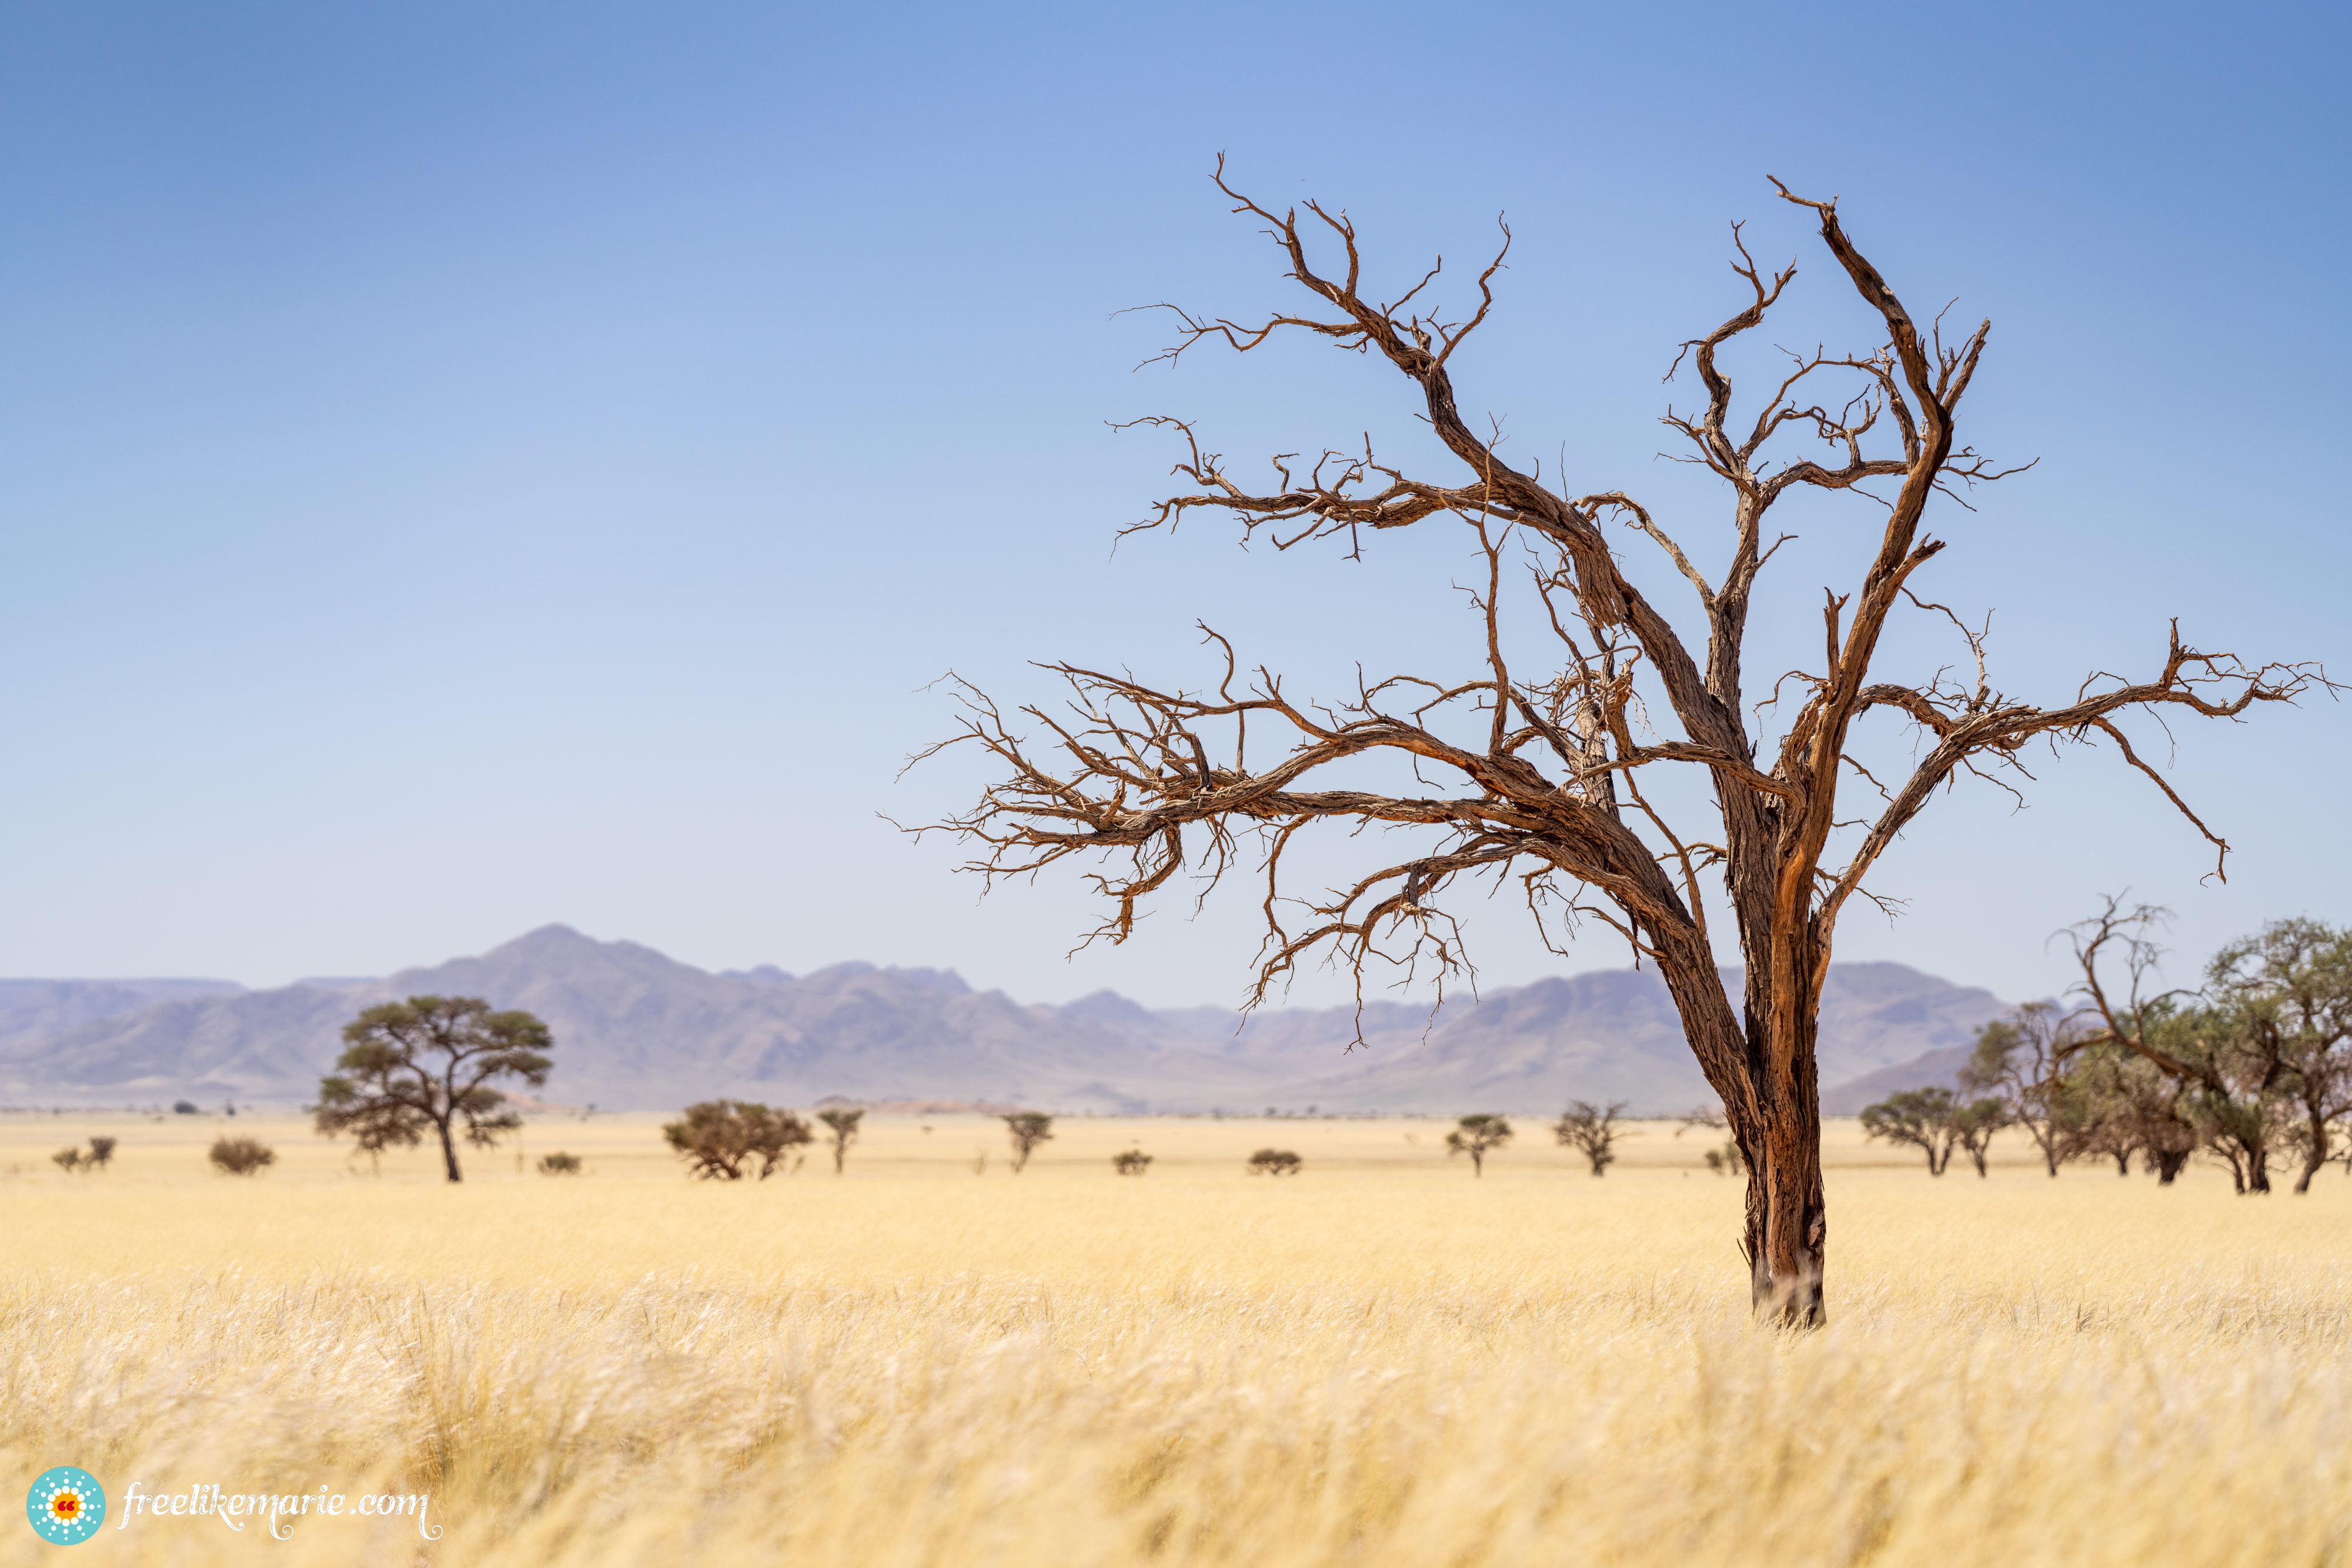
(464,466)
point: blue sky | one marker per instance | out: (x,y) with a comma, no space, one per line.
(466,467)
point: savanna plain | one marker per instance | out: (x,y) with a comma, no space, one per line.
(1382,1360)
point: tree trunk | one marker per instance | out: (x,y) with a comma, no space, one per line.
(1788,1227)
(449,1153)
(2315,1157)
(2167,1163)
(1788,1216)
(2257,1170)
(1762,1067)
(2122,1163)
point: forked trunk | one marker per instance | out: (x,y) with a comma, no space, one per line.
(2167,1163)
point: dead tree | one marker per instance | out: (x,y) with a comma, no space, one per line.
(1538,759)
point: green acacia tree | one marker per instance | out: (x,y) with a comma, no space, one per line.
(1919,1117)
(426,1065)
(1027,1129)
(845,1132)
(1477,1136)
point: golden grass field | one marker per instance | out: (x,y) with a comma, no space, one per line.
(1379,1362)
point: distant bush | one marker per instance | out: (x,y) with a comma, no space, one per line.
(718,1139)
(1275,1161)
(242,1157)
(1131,1162)
(183,1107)
(559,1164)
(101,1152)
(1725,1161)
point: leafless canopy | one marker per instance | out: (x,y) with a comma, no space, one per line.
(1543,758)
(1554,787)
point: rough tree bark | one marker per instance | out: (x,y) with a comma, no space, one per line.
(1161,776)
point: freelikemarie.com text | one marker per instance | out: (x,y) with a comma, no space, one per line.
(275,1510)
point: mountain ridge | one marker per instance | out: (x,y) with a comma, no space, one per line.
(638,1029)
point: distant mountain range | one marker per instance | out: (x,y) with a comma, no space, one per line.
(635,1030)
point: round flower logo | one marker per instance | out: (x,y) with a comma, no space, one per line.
(66,1505)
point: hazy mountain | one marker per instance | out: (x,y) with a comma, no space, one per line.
(637,1029)
(31,1009)
(1934,1070)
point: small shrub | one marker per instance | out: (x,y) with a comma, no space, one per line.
(1725,1161)
(183,1107)
(67,1159)
(242,1157)
(1131,1162)
(559,1164)
(1275,1161)
(102,1153)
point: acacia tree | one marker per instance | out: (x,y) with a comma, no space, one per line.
(2021,1061)
(1973,1124)
(1547,752)
(1477,1136)
(720,1138)
(1591,1130)
(2261,1059)
(1922,1118)
(2288,992)
(2134,1108)
(1027,1129)
(426,1065)
(843,1126)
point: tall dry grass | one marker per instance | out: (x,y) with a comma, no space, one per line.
(1383,1362)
